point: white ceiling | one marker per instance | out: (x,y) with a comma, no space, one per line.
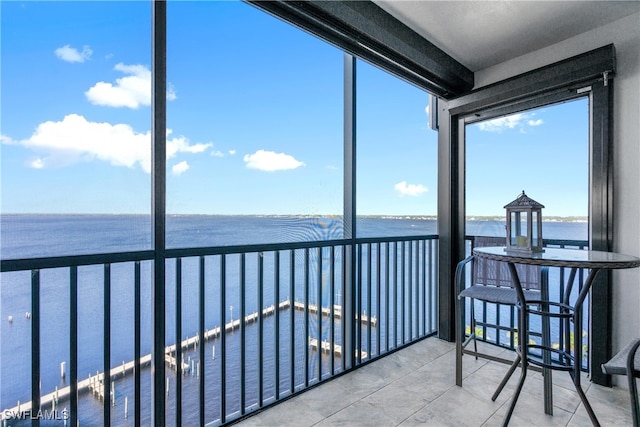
(479,34)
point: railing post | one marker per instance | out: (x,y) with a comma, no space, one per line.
(178,352)
(35,345)
(106,348)
(137,334)
(73,345)
(201,340)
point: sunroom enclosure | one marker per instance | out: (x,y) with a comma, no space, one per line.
(357,297)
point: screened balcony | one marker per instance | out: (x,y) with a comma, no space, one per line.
(349,329)
(272,321)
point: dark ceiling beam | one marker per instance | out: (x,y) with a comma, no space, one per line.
(597,64)
(365,30)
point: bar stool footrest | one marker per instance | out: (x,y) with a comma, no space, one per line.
(556,365)
(565,310)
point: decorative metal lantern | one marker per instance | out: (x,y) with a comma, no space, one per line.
(524,225)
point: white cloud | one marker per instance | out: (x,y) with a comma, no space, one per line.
(71,54)
(131,91)
(232,152)
(171,92)
(75,139)
(182,145)
(404,189)
(501,123)
(519,120)
(217,153)
(37,164)
(180,168)
(271,161)
(4,139)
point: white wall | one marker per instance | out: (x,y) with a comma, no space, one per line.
(625,35)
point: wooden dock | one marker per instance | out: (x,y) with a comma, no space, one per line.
(337,312)
(95,383)
(228,327)
(337,349)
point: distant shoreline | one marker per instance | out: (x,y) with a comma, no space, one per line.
(409,217)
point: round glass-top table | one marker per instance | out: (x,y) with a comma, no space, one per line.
(570,355)
(560,257)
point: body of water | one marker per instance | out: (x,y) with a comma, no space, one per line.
(29,236)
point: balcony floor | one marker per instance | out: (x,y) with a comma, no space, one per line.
(416,386)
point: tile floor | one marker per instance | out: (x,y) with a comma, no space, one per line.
(416,386)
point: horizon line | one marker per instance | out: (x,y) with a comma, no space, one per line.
(389,216)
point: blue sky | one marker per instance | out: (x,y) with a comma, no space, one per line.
(255,121)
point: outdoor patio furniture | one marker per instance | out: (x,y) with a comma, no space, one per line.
(627,362)
(568,311)
(491,283)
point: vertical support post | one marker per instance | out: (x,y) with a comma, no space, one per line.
(73,346)
(292,313)
(243,341)
(178,353)
(319,313)
(601,227)
(386,295)
(223,338)
(378,296)
(332,303)
(201,341)
(395,294)
(410,290)
(367,316)
(425,307)
(276,299)
(158,183)
(106,350)
(403,300)
(306,317)
(35,345)
(137,335)
(349,304)
(451,210)
(261,326)
(357,295)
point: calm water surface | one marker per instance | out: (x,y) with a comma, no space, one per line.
(27,236)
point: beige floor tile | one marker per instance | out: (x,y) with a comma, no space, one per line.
(416,387)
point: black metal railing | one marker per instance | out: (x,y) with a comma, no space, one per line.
(496,323)
(246,325)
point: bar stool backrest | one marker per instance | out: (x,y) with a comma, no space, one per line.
(494,273)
